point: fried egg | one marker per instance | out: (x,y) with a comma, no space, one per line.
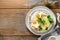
(34,23)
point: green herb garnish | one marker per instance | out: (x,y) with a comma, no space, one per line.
(46,28)
(40,28)
(50,19)
(41,21)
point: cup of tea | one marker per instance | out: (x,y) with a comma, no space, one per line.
(52,38)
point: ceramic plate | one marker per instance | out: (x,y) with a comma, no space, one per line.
(27,20)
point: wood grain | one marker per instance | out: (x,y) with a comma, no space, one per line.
(17,4)
(20,37)
(21,4)
(12,21)
(12,3)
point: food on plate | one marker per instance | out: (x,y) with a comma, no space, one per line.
(34,21)
(37,15)
(34,28)
(41,21)
(50,19)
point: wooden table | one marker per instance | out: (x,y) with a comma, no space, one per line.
(12,18)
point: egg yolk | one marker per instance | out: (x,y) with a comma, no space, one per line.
(34,21)
(37,15)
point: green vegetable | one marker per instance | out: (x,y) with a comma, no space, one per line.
(40,28)
(46,28)
(50,19)
(41,21)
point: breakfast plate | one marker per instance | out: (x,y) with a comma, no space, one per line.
(40,20)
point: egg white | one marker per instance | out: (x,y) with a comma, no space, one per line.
(35,25)
(33,15)
(34,18)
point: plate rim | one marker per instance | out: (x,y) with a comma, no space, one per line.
(36,8)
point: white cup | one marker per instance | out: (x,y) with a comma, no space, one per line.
(58,17)
(52,38)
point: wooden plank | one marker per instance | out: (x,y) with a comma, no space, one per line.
(12,3)
(17,4)
(20,37)
(12,21)
(23,4)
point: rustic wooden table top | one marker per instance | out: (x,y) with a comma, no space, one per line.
(12,17)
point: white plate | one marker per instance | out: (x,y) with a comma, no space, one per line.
(37,9)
